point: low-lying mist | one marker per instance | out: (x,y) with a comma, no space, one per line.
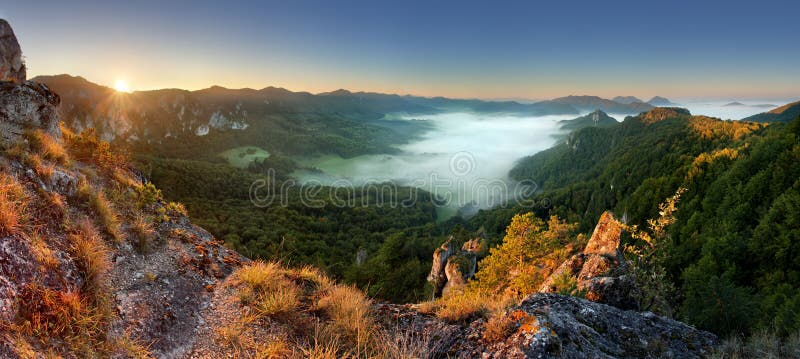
(464,157)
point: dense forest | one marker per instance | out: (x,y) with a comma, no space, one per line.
(733,250)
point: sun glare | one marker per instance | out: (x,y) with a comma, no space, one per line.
(122,86)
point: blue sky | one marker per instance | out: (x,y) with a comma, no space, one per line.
(458,49)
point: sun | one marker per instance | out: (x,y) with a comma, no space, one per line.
(122,86)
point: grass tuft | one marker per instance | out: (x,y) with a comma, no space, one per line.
(47,147)
(13,202)
(103,208)
(92,256)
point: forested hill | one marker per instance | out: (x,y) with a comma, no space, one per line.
(785,113)
(733,250)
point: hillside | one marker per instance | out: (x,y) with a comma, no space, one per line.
(785,113)
(626,99)
(591,103)
(659,101)
(728,248)
(97,263)
(595,119)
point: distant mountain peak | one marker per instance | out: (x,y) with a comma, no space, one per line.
(659,101)
(734,104)
(626,99)
(339,92)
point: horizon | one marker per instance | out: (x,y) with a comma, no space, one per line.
(512,52)
(779,101)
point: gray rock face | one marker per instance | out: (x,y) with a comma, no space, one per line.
(556,326)
(26,105)
(12,68)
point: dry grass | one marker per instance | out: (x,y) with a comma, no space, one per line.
(143,233)
(127,347)
(348,310)
(315,276)
(341,317)
(41,251)
(466,305)
(104,210)
(280,301)
(13,203)
(498,327)
(47,147)
(49,314)
(91,254)
(403,344)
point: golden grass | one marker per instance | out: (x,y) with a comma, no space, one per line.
(127,347)
(280,301)
(47,146)
(143,233)
(348,310)
(92,256)
(259,275)
(315,276)
(49,314)
(13,203)
(467,304)
(103,208)
(41,251)
(343,322)
(498,327)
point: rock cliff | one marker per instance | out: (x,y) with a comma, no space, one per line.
(600,269)
(12,68)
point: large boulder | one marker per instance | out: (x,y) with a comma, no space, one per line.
(12,68)
(554,326)
(600,270)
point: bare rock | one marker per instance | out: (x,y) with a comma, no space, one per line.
(555,326)
(600,269)
(452,268)
(27,105)
(12,68)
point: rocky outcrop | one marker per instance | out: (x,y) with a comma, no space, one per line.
(451,267)
(556,326)
(25,105)
(600,269)
(12,68)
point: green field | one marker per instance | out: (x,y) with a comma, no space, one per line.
(241,157)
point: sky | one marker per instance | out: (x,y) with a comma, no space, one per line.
(487,49)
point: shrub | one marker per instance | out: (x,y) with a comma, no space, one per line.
(566,284)
(86,147)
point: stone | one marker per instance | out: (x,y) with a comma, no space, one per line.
(12,68)
(555,326)
(27,105)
